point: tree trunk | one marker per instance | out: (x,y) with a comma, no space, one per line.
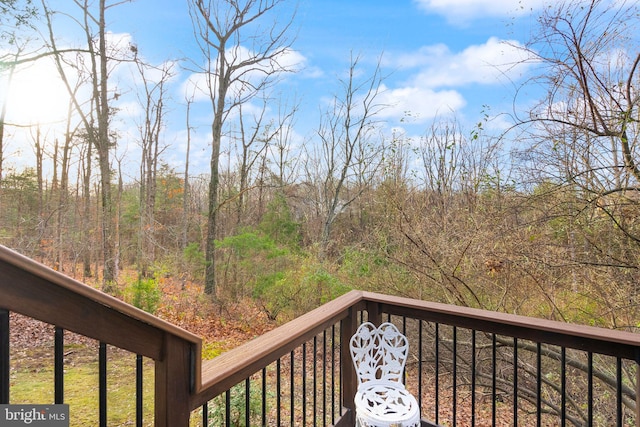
(110,273)
(86,217)
(63,197)
(212,216)
(185,192)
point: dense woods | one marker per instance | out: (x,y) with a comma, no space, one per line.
(539,220)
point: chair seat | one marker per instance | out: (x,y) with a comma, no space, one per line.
(386,404)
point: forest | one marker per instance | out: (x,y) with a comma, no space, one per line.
(540,220)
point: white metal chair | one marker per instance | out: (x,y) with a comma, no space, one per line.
(379,355)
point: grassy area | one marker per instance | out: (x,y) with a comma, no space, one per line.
(32,382)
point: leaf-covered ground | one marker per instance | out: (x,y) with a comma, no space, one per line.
(222,326)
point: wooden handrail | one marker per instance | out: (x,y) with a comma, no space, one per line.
(588,338)
(235,365)
(35,290)
(231,367)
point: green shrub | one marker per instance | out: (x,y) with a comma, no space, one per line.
(237,406)
(249,244)
(267,292)
(144,294)
(244,259)
(194,260)
(279,225)
(299,289)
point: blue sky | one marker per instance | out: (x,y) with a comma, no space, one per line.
(442,57)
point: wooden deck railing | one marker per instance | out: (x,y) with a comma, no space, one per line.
(33,290)
(467,366)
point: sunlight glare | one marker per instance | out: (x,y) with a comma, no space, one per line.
(36,95)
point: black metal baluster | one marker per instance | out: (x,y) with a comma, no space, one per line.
(304,384)
(315,381)
(264,396)
(404,332)
(4,356)
(333,374)
(58,365)
(473,377)
(139,391)
(590,388)
(515,381)
(227,408)
(278,391)
(247,402)
(539,385)
(454,380)
(493,379)
(618,391)
(420,343)
(437,373)
(324,378)
(292,406)
(102,384)
(563,386)
(205,415)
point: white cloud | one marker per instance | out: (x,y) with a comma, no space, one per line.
(492,62)
(437,74)
(425,56)
(292,60)
(489,63)
(464,11)
(420,102)
(119,43)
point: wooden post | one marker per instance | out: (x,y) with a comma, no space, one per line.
(638,387)
(348,327)
(4,356)
(173,384)
(373,310)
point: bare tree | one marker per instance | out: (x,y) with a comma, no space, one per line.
(585,136)
(257,139)
(243,52)
(96,118)
(254,139)
(14,15)
(87,170)
(186,187)
(455,164)
(152,100)
(582,162)
(3,113)
(347,155)
(282,153)
(590,67)
(63,197)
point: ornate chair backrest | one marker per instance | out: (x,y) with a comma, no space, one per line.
(379,354)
